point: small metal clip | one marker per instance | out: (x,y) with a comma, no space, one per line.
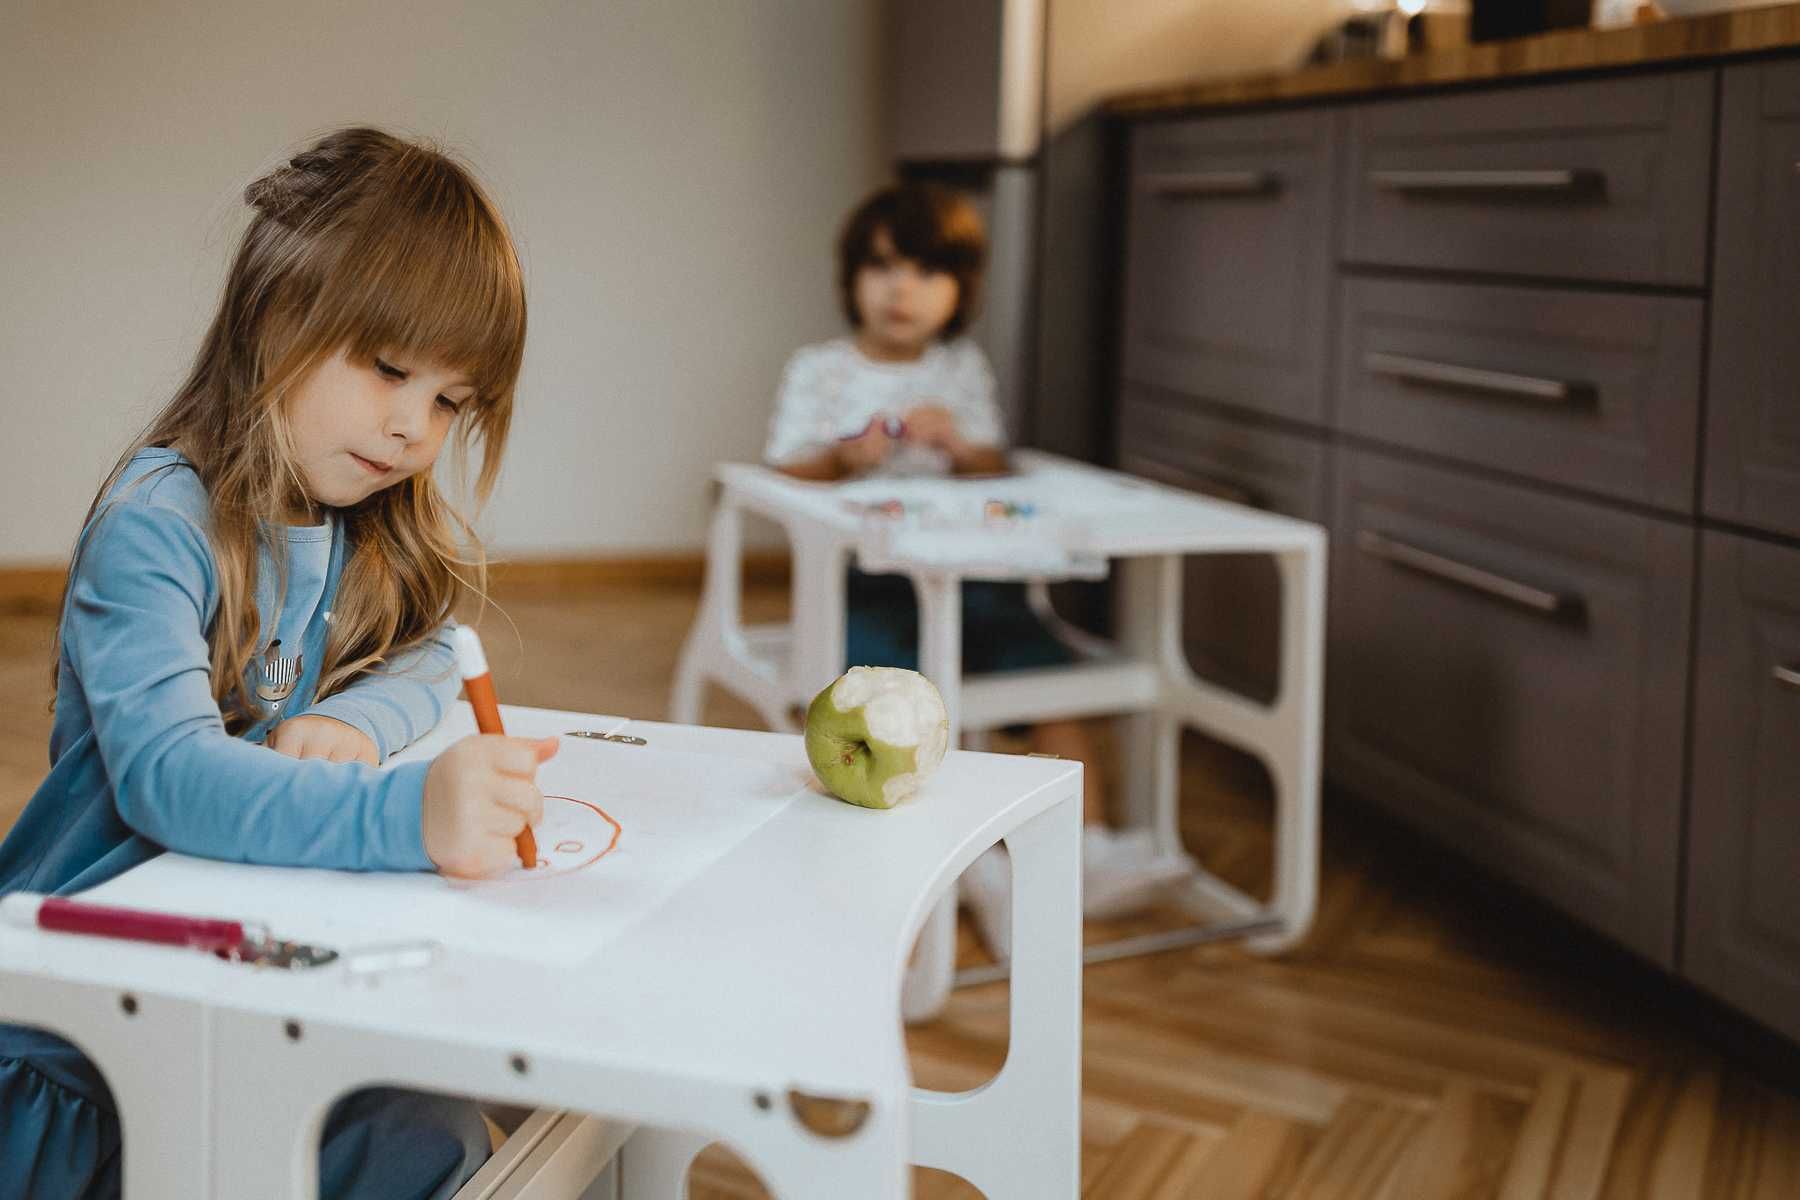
(623,739)
(261,950)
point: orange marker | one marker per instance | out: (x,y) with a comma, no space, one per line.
(478,685)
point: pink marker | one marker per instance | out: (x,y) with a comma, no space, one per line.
(131,924)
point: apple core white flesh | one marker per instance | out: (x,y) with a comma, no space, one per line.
(875,734)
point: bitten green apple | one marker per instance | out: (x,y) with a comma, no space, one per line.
(875,733)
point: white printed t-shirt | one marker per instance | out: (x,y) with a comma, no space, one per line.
(831,390)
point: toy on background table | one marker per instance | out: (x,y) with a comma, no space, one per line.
(1007,510)
(895,427)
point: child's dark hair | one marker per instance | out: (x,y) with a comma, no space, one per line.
(929,224)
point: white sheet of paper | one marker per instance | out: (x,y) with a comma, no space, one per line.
(945,523)
(676,814)
(950,501)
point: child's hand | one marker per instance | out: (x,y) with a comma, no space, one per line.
(478,795)
(933,425)
(323,737)
(868,449)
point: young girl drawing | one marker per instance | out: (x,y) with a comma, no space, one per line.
(256,616)
(904,393)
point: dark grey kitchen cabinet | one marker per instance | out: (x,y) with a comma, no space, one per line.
(1753,426)
(1557,433)
(1742,939)
(1599,392)
(1603,180)
(1229,276)
(1508,675)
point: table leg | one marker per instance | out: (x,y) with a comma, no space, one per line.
(870,1166)
(653,1164)
(1149,625)
(940,640)
(932,971)
(265,1128)
(817,654)
(1295,746)
(1285,735)
(1019,1135)
(718,618)
(152,1052)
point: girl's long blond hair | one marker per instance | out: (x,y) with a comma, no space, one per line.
(375,245)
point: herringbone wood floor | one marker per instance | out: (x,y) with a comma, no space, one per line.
(1431,1038)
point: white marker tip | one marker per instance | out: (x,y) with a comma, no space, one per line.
(471,661)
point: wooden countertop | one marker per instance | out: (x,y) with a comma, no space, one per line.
(1745,31)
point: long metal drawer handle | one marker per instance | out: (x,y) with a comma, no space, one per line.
(1549,604)
(1564,181)
(1213,183)
(1188,481)
(1505,383)
(1787,675)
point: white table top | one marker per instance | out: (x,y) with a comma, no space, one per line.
(1092,511)
(777,967)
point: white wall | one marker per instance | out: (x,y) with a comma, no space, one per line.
(674,172)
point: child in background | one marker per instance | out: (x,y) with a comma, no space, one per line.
(906,394)
(256,615)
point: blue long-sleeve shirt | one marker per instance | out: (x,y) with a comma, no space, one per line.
(140,758)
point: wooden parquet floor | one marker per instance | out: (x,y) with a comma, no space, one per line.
(1432,1037)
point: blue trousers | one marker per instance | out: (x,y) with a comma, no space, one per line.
(1000,632)
(386,1143)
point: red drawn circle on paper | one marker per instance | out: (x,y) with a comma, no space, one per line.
(571,828)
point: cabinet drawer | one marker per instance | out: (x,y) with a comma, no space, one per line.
(1221,455)
(1231,626)
(1601,180)
(1753,405)
(1508,674)
(1228,260)
(1741,940)
(1596,391)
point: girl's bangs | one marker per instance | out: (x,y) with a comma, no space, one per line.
(435,276)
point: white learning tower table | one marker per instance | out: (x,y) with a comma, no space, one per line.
(757,1004)
(1081,522)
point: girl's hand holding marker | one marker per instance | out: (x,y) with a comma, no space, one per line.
(479,796)
(483,797)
